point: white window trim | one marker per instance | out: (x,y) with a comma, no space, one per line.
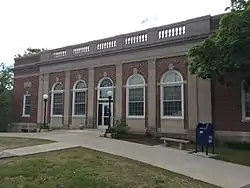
(162,85)
(52,99)
(103,88)
(73,100)
(127,98)
(243,112)
(24,104)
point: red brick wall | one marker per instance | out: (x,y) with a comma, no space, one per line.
(52,80)
(226,108)
(27,71)
(27,59)
(18,93)
(161,67)
(142,68)
(73,78)
(99,72)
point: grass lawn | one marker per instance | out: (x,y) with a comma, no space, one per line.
(233,155)
(13,142)
(84,168)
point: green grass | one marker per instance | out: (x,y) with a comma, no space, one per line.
(84,168)
(233,155)
(14,142)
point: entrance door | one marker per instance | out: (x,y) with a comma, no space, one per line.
(103,115)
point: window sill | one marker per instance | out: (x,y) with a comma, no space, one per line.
(56,116)
(172,117)
(135,117)
(78,116)
(25,116)
(245,120)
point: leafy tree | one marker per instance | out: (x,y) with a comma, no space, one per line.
(227,50)
(30,51)
(6,77)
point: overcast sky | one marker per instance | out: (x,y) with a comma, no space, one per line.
(56,23)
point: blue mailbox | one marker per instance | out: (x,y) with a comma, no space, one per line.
(205,136)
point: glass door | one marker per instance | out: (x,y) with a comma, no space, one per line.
(103,115)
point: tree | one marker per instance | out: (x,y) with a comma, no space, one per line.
(6,78)
(227,50)
(30,51)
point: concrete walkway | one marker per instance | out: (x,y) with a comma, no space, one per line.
(216,172)
(30,150)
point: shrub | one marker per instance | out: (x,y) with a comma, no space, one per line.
(120,128)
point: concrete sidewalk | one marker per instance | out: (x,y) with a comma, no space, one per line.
(216,172)
(30,150)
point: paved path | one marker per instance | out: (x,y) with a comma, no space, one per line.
(216,172)
(40,148)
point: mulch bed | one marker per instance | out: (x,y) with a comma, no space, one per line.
(151,141)
(141,139)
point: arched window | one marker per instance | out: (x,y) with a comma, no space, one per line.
(172,103)
(79,98)
(135,96)
(104,86)
(57,99)
(245,89)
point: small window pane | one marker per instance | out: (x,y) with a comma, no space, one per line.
(172,93)
(103,93)
(58,104)
(58,97)
(172,108)
(57,109)
(79,103)
(27,110)
(58,87)
(80,109)
(81,85)
(106,83)
(136,108)
(79,97)
(136,80)
(27,100)
(27,105)
(247,100)
(171,77)
(136,94)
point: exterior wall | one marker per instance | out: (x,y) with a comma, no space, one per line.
(21,86)
(90,102)
(227,109)
(100,72)
(152,126)
(42,89)
(76,121)
(162,66)
(55,122)
(203,101)
(142,68)
(118,92)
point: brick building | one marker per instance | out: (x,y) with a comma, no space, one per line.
(148,75)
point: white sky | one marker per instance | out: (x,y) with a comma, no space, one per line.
(57,23)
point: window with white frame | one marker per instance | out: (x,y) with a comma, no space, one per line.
(57,99)
(245,87)
(135,96)
(26,105)
(104,86)
(172,95)
(79,98)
